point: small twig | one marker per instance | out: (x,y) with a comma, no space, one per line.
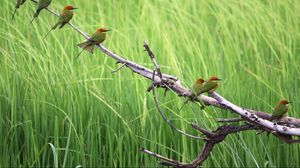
(119,68)
(227,120)
(152,57)
(202,130)
(158,156)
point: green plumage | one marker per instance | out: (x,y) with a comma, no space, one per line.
(196,88)
(208,86)
(98,37)
(279,111)
(18,4)
(64,18)
(42,4)
(95,39)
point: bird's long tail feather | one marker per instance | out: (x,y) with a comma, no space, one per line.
(62,25)
(23,2)
(13,16)
(36,14)
(87,45)
(47,33)
(54,27)
(32,20)
(183,105)
(202,104)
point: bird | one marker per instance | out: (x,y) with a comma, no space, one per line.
(95,39)
(42,4)
(200,87)
(210,85)
(19,3)
(280,109)
(64,18)
(196,88)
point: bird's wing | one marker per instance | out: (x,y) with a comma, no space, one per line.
(98,37)
(279,110)
(66,16)
(196,88)
(207,87)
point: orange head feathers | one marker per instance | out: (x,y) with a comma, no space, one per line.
(69,7)
(200,80)
(284,102)
(102,30)
(214,78)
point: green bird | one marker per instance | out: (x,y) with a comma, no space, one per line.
(42,4)
(196,88)
(200,87)
(280,109)
(19,3)
(209,86)
(65,16)
(95,39)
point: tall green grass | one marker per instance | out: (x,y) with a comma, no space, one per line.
(59,111)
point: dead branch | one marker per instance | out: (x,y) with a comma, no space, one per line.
(253,118)
(227,120)
(152,57)
(212,138)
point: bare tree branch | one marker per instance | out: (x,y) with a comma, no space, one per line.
(152,57)
(159,156)
(253,118)
(212,138)
(227,120)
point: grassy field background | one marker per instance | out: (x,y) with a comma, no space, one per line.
(92,117)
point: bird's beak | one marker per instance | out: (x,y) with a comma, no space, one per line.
(219,79)
(74,8)
(290,102)
(107,30)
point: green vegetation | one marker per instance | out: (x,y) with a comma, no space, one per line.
(92,117)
